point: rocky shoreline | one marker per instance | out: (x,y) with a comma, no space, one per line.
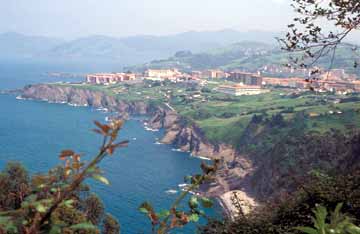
(184,136)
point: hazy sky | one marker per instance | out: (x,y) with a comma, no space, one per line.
(74,18)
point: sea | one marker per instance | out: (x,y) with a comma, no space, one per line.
(34,132)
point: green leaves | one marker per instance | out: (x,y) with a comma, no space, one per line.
(69,203)
(193,202)
(206,202)
(149,210)
(7,225)
(146,208)
(163,214)
(84,226)
(339,223)
(101,178)
(307,230)
(194,218)
(40,208)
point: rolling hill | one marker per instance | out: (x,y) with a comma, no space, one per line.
(124,51)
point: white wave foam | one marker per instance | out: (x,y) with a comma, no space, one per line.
(20,98)
(200,157)
(182,185)
(176,150)
(151,129)
(171,191)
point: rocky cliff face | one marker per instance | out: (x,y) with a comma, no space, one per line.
(178,132)
(84,97)
(188,138)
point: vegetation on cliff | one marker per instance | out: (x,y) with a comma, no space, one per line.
(225,119)
(298,176)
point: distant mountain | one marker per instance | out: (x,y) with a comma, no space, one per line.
(15,45)
(125,51)
(227,57)
(247,55)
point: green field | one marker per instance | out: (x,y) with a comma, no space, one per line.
(223,118)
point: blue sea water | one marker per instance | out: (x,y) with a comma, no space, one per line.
(34,132)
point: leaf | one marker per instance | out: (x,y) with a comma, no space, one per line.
(87,226)
(55,229)
(187,178)
(103,127)
(149,210)
(122,144)
(102,179)
(40,208)
(53,190)
(143,210)
(307,230)
(193,202)
(66,153)
(7,225)
(194,218)
(163,213)
(146,207)
(69,203)
(98,131)
(206,202)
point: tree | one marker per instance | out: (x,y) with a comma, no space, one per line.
(52,202)
(308,36)
(110,225)
(93,208)
(14,186)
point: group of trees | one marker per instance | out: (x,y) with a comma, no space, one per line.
(59,201)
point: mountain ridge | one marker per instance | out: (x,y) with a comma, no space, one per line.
(125,50)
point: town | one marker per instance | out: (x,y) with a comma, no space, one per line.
(237,82)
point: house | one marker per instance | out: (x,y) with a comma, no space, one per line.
(246,78)
(239,89)
(162,74)
(213,74)
(109,78)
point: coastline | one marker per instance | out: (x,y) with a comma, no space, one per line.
(185,138)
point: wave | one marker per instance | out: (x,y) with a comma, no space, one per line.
(201,157)
(182,185)
(151,129)
(20,98)
(103,109)
(176,150)
(171,191)
(77,105)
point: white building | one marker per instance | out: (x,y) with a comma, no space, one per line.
(238,90)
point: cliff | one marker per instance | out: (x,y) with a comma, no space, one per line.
(188,137)
(184,136)
(83,97)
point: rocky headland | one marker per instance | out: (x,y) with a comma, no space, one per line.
(178,131)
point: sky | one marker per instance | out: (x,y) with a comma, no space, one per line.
(120,18)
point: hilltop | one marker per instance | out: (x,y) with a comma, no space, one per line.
(122,51)
(250,56)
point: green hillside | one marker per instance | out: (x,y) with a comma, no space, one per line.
(245,55)
(225,119)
